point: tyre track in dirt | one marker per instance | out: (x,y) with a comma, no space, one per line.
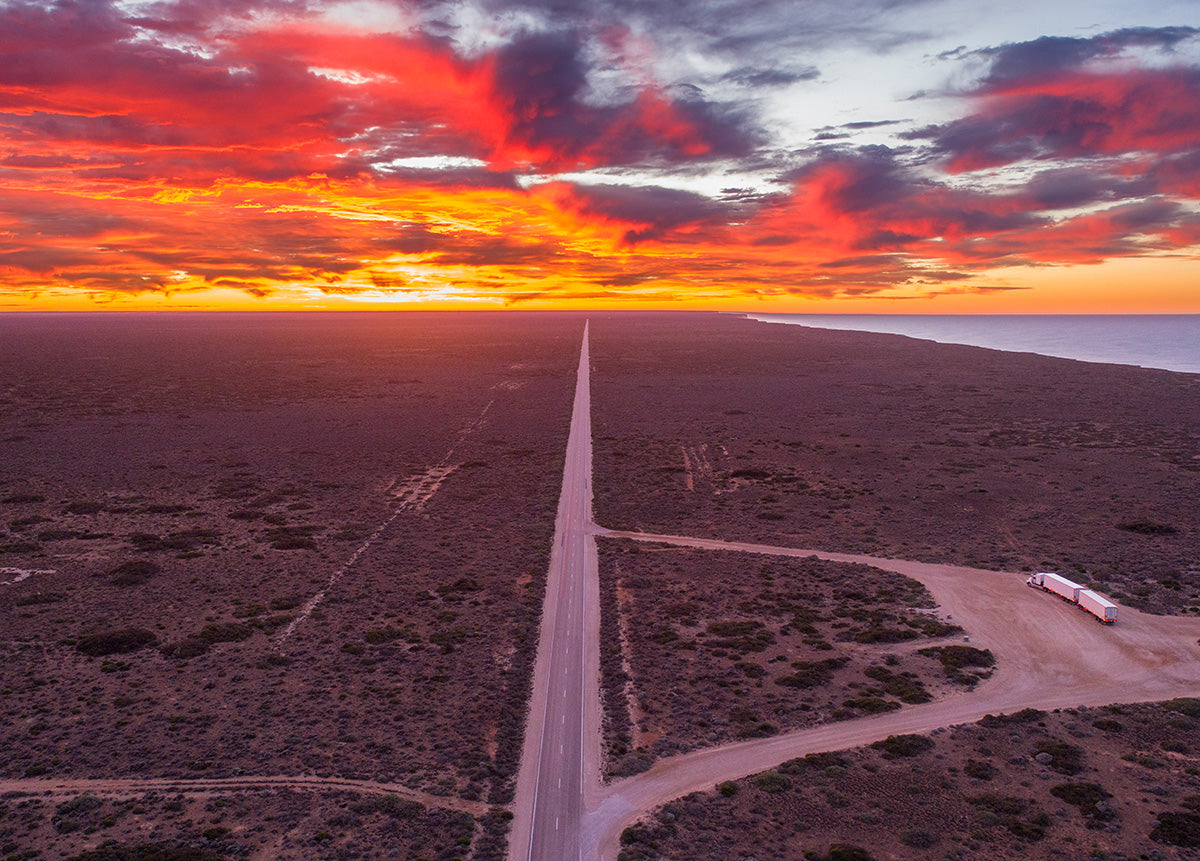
(414,493)
(126,787)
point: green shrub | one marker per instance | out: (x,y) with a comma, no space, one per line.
(811,674)
(115,642)
(848,852)
(190,647)
(389,805)
(23,498)
(378,636)
(895,746)
(225,632)
(185,540)
(729,788)
(76,806)
(1067,758)
(39,598)
(980,770)
(1147,527)
(918,839)
(1024,716)
(771,781)
(132,573)
(462,584)
(112,851)
(872,705)
(1177,829)
(1085,796)
(1189,706)
(904,686)
(740,636)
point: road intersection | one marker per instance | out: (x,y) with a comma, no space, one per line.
(1049,656)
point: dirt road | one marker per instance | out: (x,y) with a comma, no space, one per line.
(1049,654)
(127,787)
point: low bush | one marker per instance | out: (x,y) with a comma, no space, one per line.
(903,686)
(292,537)
(1085,796)
(1147,527)
(848,852)
(895,746)
(872,705)
(113,851)
(1024,716)
(183,541)
(1189,706)
(1177,829)
(918,839)
(814,761)
(811,674)
(39,598)
(119,641)
(389,805)
(132,573)
(992,809)
(22,498)
(190,647)
(980,770)
(771,781)
(225,632)
(1065,758)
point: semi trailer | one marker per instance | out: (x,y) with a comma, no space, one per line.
(1062,587)
(1095,603)
(1099,606)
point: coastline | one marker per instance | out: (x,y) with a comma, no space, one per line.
(1165,342)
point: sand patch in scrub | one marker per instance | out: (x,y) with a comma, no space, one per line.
(19,574)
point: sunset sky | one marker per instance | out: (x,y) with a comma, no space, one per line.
(761,155)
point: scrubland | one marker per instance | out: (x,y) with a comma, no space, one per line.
(277,545)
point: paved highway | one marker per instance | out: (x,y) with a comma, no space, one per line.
(560,761)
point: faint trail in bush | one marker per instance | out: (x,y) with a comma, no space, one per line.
(41,786)
(413,494)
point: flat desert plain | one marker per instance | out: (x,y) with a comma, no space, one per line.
(885,445)
(272,585)
(274,545)
(766,437)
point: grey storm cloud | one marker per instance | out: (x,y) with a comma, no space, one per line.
(1048,55)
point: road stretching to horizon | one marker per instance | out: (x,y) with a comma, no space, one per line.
(562,812)
(560,759)
(1049,655)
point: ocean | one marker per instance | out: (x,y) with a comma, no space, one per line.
(1167,341)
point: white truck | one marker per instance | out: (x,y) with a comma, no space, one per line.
(1095,603)
(1099,606)
(1066,589)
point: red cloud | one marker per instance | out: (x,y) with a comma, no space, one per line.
(1076,114)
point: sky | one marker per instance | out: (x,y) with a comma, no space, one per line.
(859,156)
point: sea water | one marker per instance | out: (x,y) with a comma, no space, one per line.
(1167,341)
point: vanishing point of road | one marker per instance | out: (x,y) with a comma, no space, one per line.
(560,760)
(563,813)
